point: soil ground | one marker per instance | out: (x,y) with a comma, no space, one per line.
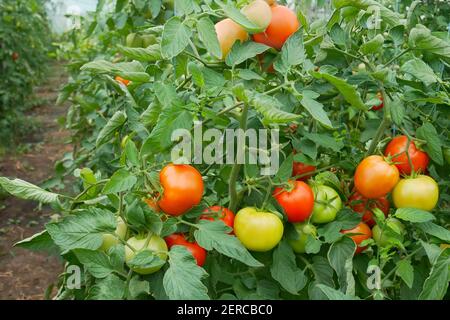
(25,274)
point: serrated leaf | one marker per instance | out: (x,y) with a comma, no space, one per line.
(420,70)
(237,16)
(433,147)
(333,294)
(285,271)
(340,257)
(183,7)
(84,230)
(146,259)
(183,279)
(420,38)
(115,123)
(435,286)
(242,51)
(435,230)
(96,262)
(406,272)
(292,53)
(214,235)
(175,38)
(121,180)
(150,54)
(109,288)
(270,108)
(25,190)
(413,215)
(38,241)
(373,45)
(208,36)
(315,108)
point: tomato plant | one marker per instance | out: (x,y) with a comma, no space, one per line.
(203,72)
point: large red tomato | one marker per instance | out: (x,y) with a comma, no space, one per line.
(397,149)
(365,206)
(374,177)
(284,23)
(183,188)
(219,213)
(362,232)
(297,200)
(178,239)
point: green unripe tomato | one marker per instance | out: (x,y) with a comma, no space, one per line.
(110,240)
(303,230)
(384,238)
(447,155)
(327,204)
(134,40)
(156,245)
(147,40)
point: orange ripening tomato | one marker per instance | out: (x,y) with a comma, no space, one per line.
(178,239)
(362,232)
(297,201)
(219,213)
(365,206)
(397,149)
(122,80)
(228,32)
(381,105)
(183,188)
(284,23)
(374,177)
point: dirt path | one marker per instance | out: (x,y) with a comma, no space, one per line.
(25,274)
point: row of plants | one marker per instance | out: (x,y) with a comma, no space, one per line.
(359,207)
(25,37)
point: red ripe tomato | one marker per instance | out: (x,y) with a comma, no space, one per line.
(397,149)
(375,178)
(297,201)
(178,239)
(284,23)
(15,56)
(365,206)
(362,232)
(381,105)
(300,168)
(122,80)
(218,212)
(183,188)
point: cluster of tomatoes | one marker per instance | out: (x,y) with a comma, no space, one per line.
(275,24)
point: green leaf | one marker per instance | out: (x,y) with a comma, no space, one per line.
(84,230)
(420,70)
(242,51)
(435,286)
(183,279)
(387,16)
(196,73)
(349,92)
(247,74)
(284,269)
(214,235)
(372,46)
(285,170)
(96,262)
(325,141)
(38,241)
(165,93)
(175,38)
(340,257)
(183,7)
(25,190)
(114,124)
(208,36)
(132,153)
(315,108)
(405,271)
(435,230)
(109,288)
(333,294)
(413,215)
(133,71)
(146,259)
(270,108)
(292,52)
(433,145)
(149,54)
(397,111)
(138,287)
(121,180)
(420,38)
(237,16)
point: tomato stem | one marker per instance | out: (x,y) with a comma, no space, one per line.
(383,125)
